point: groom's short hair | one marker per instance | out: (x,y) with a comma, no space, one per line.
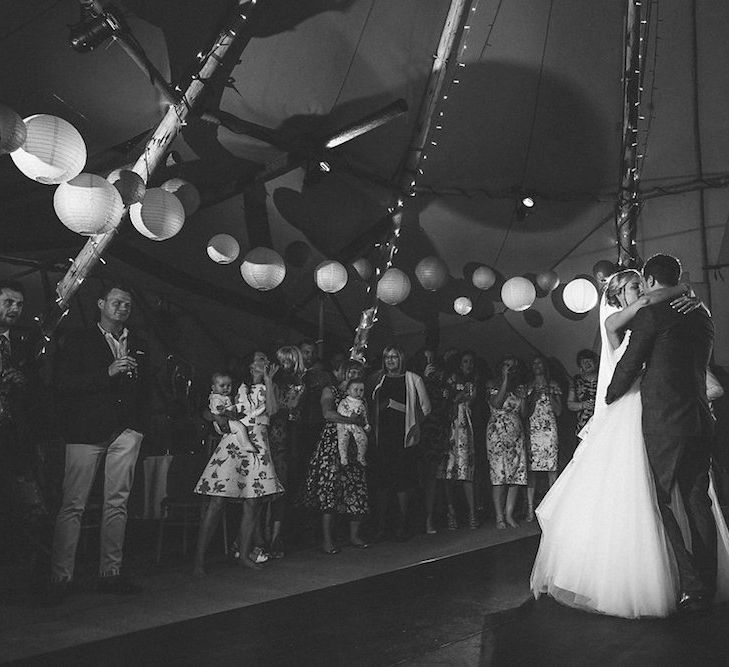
(665,269)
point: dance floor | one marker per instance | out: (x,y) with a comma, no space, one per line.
(466,609)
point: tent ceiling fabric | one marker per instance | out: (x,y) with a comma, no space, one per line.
(538,107)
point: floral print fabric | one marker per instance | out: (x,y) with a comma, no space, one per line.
(505,446)
(585,390)
(240,469)
(543,439)
(330,487)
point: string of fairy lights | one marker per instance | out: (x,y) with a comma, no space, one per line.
(628,204)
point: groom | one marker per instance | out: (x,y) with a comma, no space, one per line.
(677,424)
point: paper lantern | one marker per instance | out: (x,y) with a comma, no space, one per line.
(603,270)
(88,204)
(580,295)
(483,277)
(130,184)
(12,130)
(330,276)
(548,280)
(53,152)
(432,273)
(186,192)
(223,249)
(393,287)
(363,267)
(159,216)
(518,293)
(463,305)
(263,269)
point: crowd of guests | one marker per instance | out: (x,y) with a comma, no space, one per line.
(303,436)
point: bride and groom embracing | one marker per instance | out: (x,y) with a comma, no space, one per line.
(633,527)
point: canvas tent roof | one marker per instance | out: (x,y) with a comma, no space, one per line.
(538,108)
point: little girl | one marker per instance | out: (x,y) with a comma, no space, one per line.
(241,468)
(350,406)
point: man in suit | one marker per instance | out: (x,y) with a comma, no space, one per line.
(23,510)
(677,423)
(100,377)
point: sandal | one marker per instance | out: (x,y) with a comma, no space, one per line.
(501,524)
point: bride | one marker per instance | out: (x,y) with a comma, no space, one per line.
(603,545)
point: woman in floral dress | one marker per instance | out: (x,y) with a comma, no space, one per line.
(331,488)
(583,388)
(460,463)
(241,467)
(544,405)
(505,445)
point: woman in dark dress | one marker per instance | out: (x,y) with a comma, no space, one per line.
(331,488)
(583,388)
(401,403)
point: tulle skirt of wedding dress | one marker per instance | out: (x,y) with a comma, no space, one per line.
(603,545)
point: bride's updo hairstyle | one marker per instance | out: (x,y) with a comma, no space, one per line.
(616,283)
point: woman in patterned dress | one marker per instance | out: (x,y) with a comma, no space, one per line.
(505,442)
(544,405)
(241,467)
(289,385)
(331,488)
(460,463)
(583,388)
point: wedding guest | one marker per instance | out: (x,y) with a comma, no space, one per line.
(241,471)
(434,430)
(583,388)
(400,404)
(460,462)
(288,382)
(505,441)
(102,385)
(331,489)
(24,519)
(543,405)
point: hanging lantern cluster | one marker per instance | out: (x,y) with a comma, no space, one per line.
(88,204)
(580,295)
(330,276)
(223,249)
(53,151)
(263,269)
(159,216)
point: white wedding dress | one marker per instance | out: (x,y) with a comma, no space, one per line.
(603,545)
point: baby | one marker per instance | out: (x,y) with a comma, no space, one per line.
(219,401)
(350,406)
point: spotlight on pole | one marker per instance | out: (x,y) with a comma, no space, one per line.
(524,205)
(93,30)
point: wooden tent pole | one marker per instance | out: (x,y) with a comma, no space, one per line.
(628,207)
(154,153)
(443,62)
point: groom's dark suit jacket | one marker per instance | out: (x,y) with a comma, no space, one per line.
(675,349)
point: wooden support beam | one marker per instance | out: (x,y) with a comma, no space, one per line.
(153,154)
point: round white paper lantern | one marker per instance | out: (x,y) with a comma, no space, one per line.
(580,295)
(53,152)
(518,293)
(223,249)
(432,273)
(263,269)
(12,130)
(463,305)
(130,184)
(483,277)
(159,216)
(393,287)
(88,204)
(330,276)
(548,280)
(186,192)
(363,267)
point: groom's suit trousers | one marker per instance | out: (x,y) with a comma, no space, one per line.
(685,461)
